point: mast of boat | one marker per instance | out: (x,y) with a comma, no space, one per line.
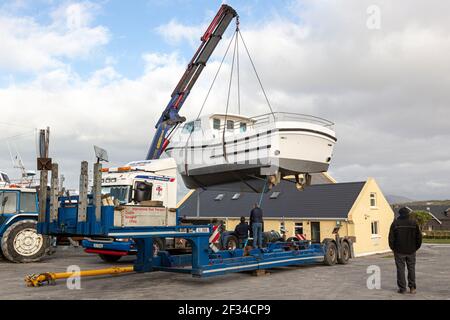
(26,176)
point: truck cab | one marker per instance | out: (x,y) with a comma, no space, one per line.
(18,218)
(140,181)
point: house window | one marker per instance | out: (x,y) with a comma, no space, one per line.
(374,226)
(373,199)
(219,197)
(299,228)
(275,195)
(230,125)
(236,196)
(243,127)
(216,124)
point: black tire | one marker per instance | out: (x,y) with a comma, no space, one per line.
(109,257)
(330,257)
(231,243)
(345,253)
(21,243)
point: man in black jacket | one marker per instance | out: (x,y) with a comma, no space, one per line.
(405,238)
(256,223)
(241,231)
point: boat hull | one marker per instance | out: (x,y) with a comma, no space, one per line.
(285,148)
(220,175)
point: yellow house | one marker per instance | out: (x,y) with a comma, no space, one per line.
(359,208)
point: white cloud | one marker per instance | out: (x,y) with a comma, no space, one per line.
(29,46)
(175,32)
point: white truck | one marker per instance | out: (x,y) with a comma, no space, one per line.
(138,181)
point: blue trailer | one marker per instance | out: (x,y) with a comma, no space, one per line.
(202,261)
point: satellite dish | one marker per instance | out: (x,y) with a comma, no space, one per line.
(101,154)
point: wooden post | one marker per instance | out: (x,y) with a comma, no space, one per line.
(82,202)
(43,152)
(43,195)
(54,193)
(97,190)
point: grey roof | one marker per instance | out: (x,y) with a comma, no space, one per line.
(325,201)
(437,210)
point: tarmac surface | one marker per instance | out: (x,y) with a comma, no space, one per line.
(303,282)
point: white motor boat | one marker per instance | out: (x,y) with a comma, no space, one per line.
(218,149)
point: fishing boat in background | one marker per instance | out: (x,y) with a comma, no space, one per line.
(222,148)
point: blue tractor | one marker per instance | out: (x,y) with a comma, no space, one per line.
(20,243)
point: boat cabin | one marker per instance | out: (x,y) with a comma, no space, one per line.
(234,124)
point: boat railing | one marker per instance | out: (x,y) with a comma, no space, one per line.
(269,118)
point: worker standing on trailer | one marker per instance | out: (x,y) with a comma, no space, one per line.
(241,231)
(405,238)
(256,223)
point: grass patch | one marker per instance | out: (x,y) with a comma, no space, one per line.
(440,241)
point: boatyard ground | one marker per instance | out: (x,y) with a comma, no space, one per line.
(306,282)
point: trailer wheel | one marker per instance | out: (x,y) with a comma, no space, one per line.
(109,257)
(231,243)
(345,253)
(22,244)
(330,257)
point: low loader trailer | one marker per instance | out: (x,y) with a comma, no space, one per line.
(75,216)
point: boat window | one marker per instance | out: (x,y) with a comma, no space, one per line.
(197,125)
(28,202)
(188,127)
(230,125)
(5,177)
(236,196)
(243,127)
(216,124)
(275,195)
(219,197)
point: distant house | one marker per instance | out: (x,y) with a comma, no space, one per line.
(440,215)
(360,208)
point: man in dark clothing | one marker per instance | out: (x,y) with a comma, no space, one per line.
(405,238)
(241,231)
(256,223)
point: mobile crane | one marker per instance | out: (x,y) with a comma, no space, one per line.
(86,216)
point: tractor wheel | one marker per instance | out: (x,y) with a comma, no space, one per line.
(330,257)
(231,243)
(109,257)
(22,244)
(345,254)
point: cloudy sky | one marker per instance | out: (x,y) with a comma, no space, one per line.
(100,72)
